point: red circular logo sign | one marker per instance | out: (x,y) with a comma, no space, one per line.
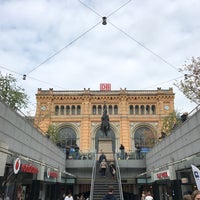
(16,166)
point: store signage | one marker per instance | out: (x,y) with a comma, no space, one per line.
(16,165)
(162,175)
(51,174)
(105,87)
(28,168)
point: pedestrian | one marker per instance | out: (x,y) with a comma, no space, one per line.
(122,149)
(103,166)
(110,195)
(143,195)
(187,197)
(69,197)
(196,195)
(81,197)
(102,156)
(148,196)
(112,169)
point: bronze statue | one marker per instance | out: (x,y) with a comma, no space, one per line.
(105,124)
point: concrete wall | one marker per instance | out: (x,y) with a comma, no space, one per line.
(183,143)
(21,137)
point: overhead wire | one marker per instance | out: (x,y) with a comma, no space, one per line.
(142,45)
(100,14)
(50,84)
(9,70)
(119,8)
(129,36)
(163,82)
(53,55)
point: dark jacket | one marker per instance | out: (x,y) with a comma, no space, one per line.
(109,197)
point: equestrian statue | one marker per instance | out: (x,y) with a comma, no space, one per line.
(105,124)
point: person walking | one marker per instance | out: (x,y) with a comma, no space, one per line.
(148,196)
(143,195)
(102,156)
(112,169)
(187,197)
(110,195)
(196,195)
(69,197)
(103,166)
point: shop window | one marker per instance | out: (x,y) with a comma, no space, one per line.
(67,110)
(115,109)
(56,110)
(131,109)
(62,110)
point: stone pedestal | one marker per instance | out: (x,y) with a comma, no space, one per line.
(105,145)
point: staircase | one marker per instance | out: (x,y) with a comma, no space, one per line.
(101,184)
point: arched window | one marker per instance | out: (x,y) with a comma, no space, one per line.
(78,110)
(147,109)
(136,109)
(62,110)
(73,110)
(99,110)
(67,136)
(144,137)
(67,110)
(94,110)
(131,109)
(115,109)
(153,109)
(56,110)
(142,109)
(110,110)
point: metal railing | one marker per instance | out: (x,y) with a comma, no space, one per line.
(119,178)
(93,177)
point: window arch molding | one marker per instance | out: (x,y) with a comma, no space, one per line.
(71,131)
(144,134)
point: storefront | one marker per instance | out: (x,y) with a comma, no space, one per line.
(165,185)
(187,181)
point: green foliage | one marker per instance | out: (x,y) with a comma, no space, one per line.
(53,133)
(12,94)
(170,122)
(190,85)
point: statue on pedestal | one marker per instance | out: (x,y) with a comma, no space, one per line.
(105,124)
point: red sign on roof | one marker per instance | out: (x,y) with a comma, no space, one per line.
(105,87)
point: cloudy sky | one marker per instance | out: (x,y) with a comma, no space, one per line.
(64,45)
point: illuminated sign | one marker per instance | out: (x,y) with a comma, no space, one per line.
(105,86)
(51,174)
(28,168)
(162,175)
(16,165)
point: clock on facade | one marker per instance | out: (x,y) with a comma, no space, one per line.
(43,107)
(166,107)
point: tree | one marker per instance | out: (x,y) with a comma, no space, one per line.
(190,85)
(170,122)
(12,94)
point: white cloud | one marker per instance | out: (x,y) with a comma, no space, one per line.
(127,52)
